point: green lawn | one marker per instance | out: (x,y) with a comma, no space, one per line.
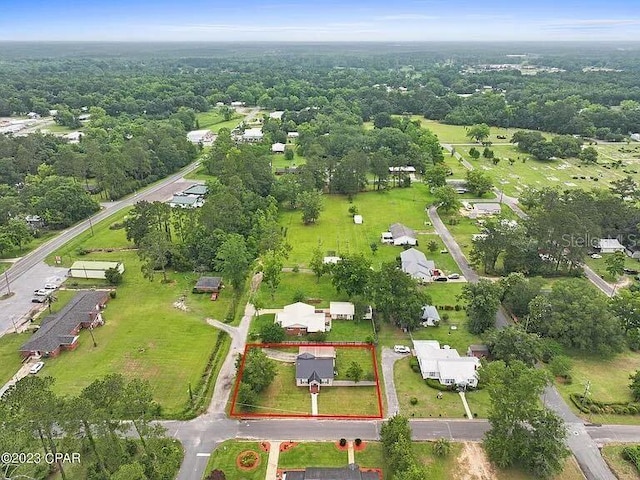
(199,174)
(225,455)
(146,337)
(599,265)
(609,383)
(362,356)
(319,292)
(623,469)
(341,330)
(5,266)
(316,454)
(213,120)
(10,358)
(335,230)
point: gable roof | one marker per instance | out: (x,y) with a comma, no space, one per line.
(184,200)
(317,351)
(301,315)
(209,282)
(415,263)
(309,368)
(56,330)
(198,189)
(399,230)
(610,244)
(430,311)
(487,207)
(446,363)
(94,265)
(350,472)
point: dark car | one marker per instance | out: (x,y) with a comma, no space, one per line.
(441,278)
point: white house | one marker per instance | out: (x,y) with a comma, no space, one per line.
(406,170)
(253,135)
(610,245)
(430,316)
(237,104)
(415,264)
(206,137)
(341,310)
(277,114)
(485,209)
(445,364)
(293,134)
(331,259)
(635,137)
(74,137)
(402,235)
(300,318)
(357,219)
(278,147)
(186,201)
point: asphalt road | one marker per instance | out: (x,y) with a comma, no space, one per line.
(30,272)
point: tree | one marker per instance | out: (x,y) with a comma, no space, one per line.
(374,247)
(478,132)
(522,433)
(560,366)
(626,307)
(18,232)
(216,475)
(272,271)
(288,154)
(436,176)
(588,155)
(441,447)
(483,301)
(478,182)
(518,291)
(432,246)
(154,251)
(311,205)
(474,153)
(626,188)
(113,276)
(514,343)
(615,264)
(635,385)
(446,198)
(351,274)
(487,153)
(354,372)
(258,373)
(234,259)
(130,471)
(272,333)
(317,265)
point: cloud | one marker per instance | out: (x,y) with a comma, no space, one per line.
(591,24)
(251,28)
(406,17)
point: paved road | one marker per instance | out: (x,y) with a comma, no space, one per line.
(30,271)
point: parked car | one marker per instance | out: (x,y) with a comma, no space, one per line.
(630,271)
(50,286)
(596,255)
(453,276)
(36,367)
(401,349)
(41,291)
(441,278)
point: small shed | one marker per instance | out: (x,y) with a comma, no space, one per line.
(478,351)
(278,147)
(91,269)
(357,219)
(210,285)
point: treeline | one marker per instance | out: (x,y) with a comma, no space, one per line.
(416,80)
(92,424)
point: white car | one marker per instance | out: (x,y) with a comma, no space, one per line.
(401,349)
(50,286)
(36,367)
(42,292)
(453,276)
(596,255)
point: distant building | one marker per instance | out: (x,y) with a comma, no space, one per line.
(300,319)
(350,472)
(610,245)
(357,219)
(238,104)
(415,264)
(278,147)
(198,189)
(186,201)
(205,137)
(293,134)
(33,115)
(253,135)
(331,259)
(276,115)
(74,137)
(485,209)
(635,137)
(399,234)
(430,316)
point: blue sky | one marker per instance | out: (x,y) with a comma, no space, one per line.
(319,20)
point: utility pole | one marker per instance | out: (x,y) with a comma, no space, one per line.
(92,337)
(91,226)
(6,277)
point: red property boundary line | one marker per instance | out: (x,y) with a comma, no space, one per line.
(243,415)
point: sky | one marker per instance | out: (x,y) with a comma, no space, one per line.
(319,20)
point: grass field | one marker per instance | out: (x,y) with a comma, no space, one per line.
(10,358)
(609,382)
(341,330)
(336,232)
(317,454)
(458,133)
(214,121)
(362,356)
(622,469)
(319,292)
(599,266)
(225,455)
(5,266)
(146,337)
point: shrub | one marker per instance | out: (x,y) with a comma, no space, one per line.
(343,442)
(299,296)
(216,475)
(295,269)
(445,317)
(358,442)
(112,294)
(560,366)
(415,366)
(441,447)
(318,337)
(113,276)
(457,307)
(433,383)
(413,401)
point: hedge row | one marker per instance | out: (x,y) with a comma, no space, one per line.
(593,406)
(632,454)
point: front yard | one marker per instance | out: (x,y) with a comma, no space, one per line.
(225,456)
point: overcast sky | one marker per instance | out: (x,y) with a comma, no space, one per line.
(319,20)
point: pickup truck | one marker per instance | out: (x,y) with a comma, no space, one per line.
(41,295)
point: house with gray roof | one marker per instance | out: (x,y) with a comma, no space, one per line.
(485,209)
(350,472)
(415,264)
(198,189)
(403,235)
(430,316)
(186,201)
(61,331)
(314,371)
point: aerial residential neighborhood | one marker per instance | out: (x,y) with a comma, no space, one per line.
(325,241)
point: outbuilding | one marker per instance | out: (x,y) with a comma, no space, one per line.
(91,269)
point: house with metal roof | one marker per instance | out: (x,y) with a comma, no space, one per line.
(610,245)
(415,264)
(198,189)
(402,235)
(93,269)
(186,201)
(300,318)
(430,316)
(61,331)
(445,364)
(485,209)
(341,310)
(350,472)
